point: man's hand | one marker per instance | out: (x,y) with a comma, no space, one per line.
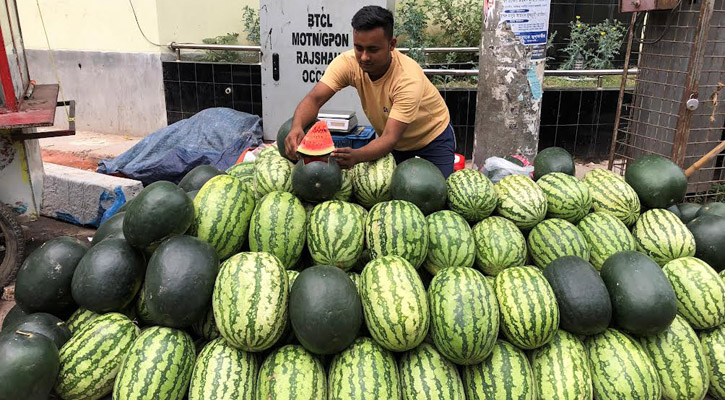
(293,140)
(346,157)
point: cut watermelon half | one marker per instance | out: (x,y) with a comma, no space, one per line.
(317,142)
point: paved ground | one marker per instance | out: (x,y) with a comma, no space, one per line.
(84,149)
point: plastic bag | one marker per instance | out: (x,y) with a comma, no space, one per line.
(495,168)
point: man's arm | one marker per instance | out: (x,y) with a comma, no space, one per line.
(305,113)
(377,148)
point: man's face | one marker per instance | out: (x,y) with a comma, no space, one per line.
(372,50)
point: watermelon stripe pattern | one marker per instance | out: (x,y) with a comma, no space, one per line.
(223,372)
(397,228)
(394,303)
(506,375)
(345,192)
(250,300)
(371,181)
(620,367)
(364,371)
(561,368)
(158,366)
(291,373)
(355,278)
(335,234)
(206,326)
(471,194)
(272,174)
(80,318)
(102,344)
(529,312)
(243,171)
(521,201)
(605,235)
(679,360)
(699,290)
(450,241)
(426,374)
(713,345)
(567,198)
(464,315)
(556,238)
(222,210)
(610,193)
(278,227)
(499,245)
(662,236)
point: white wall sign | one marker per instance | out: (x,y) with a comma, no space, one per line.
(529,20)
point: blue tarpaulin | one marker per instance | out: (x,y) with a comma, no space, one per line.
(215,136)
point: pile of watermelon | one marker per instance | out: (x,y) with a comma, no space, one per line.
(399,284)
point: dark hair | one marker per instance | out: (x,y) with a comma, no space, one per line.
(371,17)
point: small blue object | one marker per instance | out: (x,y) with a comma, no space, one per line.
(359,137)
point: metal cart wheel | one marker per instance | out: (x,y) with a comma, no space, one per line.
(12,245)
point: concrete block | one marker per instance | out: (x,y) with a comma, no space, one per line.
(83,197)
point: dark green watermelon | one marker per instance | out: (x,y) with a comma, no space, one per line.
(197,177)
(316,181)
(709,232)
(44,280)
(553,159)
(162,209)
(420,182)
(658,181)
(643,300)
(325,309)
(108,277)
(284,131)
(688,211)
(674,209)
(12,316)
(44,324)
(112,227)
(29,367)
(714,207)
(179,281)
(192,194)
(584,304)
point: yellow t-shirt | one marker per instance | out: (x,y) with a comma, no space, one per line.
(404,93)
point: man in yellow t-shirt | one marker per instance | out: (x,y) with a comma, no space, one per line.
(406,110)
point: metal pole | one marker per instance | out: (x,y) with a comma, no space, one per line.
(622,88)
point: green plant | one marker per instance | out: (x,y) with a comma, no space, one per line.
(609,34)
(221,55)
(459,24)
(594,45)
(579,46)
(250,17)
(549,46)
(410,28)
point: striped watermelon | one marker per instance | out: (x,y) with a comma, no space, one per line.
(471,194)
(292,277)
(291,373)
(80,317)
(566,196)
(450,242)
(394,303)
(506,375)
(206,327)
(621,368)
(355,277)
(345,192)
(244,171)
(610,193)
(499,245)
(561,368)
(397,228)
(713,346)
(269,151)
(244,320)
(278,227)
(662,236)
(529,312)
(223,372)
(364,371)
(464,315)
(272,174)
(371,180)
(142,312)
(679,361)
(426,374)
(158,366)
(222,210)
(335,234)
(90,360)
(555,238)
(605,235)
(521,201)
(722,274)
(700,292)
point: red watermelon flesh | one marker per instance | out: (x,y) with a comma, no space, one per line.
(317,142)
